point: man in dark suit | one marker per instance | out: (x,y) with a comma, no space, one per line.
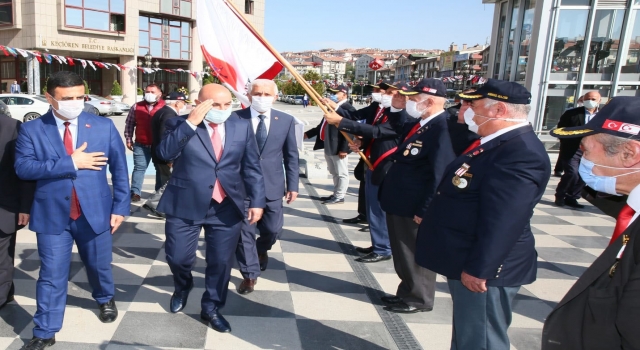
(216,167)
(276,139)
(601,310)
(461,136)
(476,232)
(65,151)
(336,148)
(380,138)
(570,185)
(415,170)
(16,197)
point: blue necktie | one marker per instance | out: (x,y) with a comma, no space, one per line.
(261,133)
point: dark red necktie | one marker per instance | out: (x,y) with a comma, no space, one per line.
(68,146)
(475,144)
(624,218)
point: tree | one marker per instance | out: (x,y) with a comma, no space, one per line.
(140,92)
(86,88)
(292,87)
(44,88)
(116,90)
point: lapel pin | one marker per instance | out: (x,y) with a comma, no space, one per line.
(276,118)
(87,126)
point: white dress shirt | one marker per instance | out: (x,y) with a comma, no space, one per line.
(255,119)
(501,132)
(634,202)
(210,129)
(424,121)
(588,115)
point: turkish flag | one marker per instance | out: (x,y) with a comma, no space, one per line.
(376,64)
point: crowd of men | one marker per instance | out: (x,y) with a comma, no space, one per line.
(447,192)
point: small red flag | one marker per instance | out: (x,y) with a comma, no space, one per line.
(70,61)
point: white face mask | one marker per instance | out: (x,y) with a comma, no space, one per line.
(412,109)
(589,104)
(376,97)
(150,98)
(468,118)
(261,103)
(386,101)
(69,109)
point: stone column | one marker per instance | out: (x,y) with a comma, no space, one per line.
(129,79)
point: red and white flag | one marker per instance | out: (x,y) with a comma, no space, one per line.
(236,56)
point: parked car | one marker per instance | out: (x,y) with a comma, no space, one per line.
(297,100)
(121,108)
(4,109)
(104,106)
(25,107)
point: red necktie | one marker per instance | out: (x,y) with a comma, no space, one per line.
(475,144)
(218,193)
(624,218)
(68,146)
(324,123)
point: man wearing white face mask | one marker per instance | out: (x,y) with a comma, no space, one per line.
(67,152)
(216,182)
(276,139)
(138,126)
(601,310)
(570,185)
(477,231)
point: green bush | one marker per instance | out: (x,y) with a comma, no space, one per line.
(140,92)
(116,90)
(86,88)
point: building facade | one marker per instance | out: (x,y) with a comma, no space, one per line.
(562,49)
(112,31)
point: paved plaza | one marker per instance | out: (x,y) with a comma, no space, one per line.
(313,296)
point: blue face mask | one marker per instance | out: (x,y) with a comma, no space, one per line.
(218,116)
(604,184)
(334,98)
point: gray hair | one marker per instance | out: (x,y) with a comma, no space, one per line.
(263,82)
(515,111)
(611,143)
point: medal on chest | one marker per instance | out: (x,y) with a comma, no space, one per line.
(459,179)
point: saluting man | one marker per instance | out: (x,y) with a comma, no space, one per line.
(409,186)
(476,231)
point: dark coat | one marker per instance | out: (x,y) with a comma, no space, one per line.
(482,227)
(571,117)
(416,168)
(334,142)
(280,149)
(600,312)
(16,195)
(157,130)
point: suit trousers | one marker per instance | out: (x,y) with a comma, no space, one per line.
(339,170)
(163,173)
(570,185)
(481,320)
(377,218)
(55,258)
(221,233)
(362,199)
(417,284)
(7,259)
(269,228)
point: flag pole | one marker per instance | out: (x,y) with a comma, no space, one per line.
(305,85)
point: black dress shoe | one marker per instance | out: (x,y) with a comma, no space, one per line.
(573,203)
(263,258)
(179,299)
(368,250)
(154,212)
(10,298)
(403,308)
(39,343)
(216,321)
(247,285)
(373,257)
(559,202)
(326,198)
(334,201)
(364,229)
(391,300)
(108,311)
(358,219)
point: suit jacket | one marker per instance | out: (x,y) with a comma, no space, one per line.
(377,139)
(280,149)
(158,128)
(483,226)
(571,117)
(416,168)
(334,141)
(195,168)
(41,156)
(461,136)
(16,195)
(600,311)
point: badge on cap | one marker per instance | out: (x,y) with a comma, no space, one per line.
(621,127)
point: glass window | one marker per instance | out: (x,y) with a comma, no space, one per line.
(156,31)
(185,8)
(8,70)
(144,39)
(96,20)
(77,3)
(174,50)
(6,13)
(186,28)
(628,90)
(104,15)
(575,2)
(185,56)
(156,48)
(525,40)
(166,6)
(117,6)
(176,7)
(73,17)
(631,64)
(167,39)
(97,5)
(605,41)
(500,39)
(515,15)
(25,101)
(143,23)
(248,7)
(568,45)
(559,99)
(185,44)
(175,33)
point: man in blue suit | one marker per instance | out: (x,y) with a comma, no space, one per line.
(477,232)
(65,151)
(216,167)
(276,139)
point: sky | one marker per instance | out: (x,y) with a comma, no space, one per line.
(298,25)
